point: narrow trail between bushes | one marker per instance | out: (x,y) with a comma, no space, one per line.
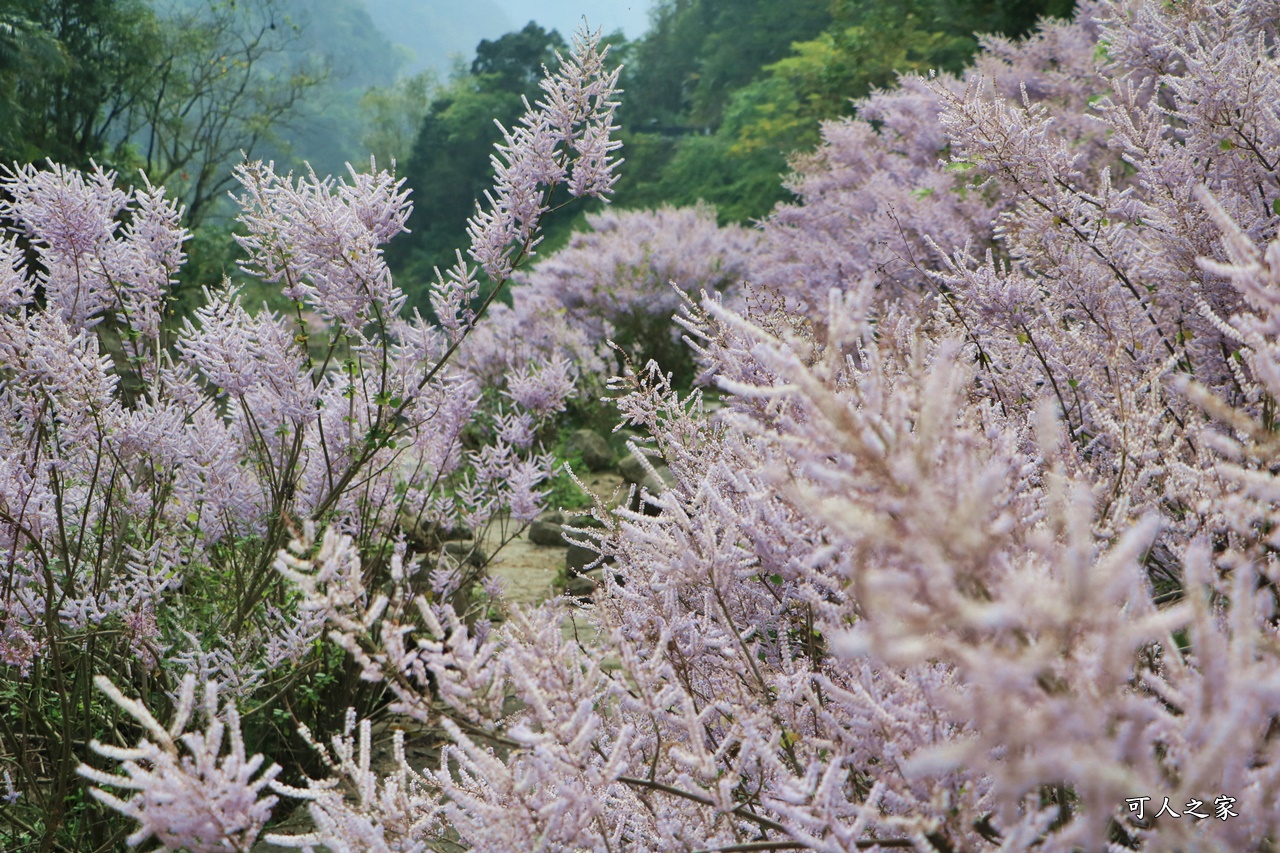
(529,573)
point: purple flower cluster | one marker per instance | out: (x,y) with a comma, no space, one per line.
(148,477)
(980,543)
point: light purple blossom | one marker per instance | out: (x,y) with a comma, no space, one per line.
(189,793)
(321,240)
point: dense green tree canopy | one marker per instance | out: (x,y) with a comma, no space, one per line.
(721,92)
(699,51)
(72,69)
(26,49)
(515,61)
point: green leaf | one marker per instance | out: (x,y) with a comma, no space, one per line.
(1275,205)
(775,579)
(1073,383)
(921,192)
(1226,145)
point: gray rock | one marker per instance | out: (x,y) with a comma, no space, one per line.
(578,557)
(622,436)
(580,586)
(298,822)
(582,528)
(598,574)
(631,469)
(584,520)
(593,449)
(546,533)
(425,536)
(469,552)
(634,473)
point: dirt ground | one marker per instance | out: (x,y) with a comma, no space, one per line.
(527,571)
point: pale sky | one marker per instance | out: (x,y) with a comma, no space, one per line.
(434,30)
(631,16)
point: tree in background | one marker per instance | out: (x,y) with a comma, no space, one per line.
(449,167)
(180,88)
(74,71)
(720,94)
(328,128)
(392,116)
(25,48)
(176,89)
(698,51)
(867,47)
(224,83)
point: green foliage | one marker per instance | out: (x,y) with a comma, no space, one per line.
(698,52)
(350,56)
(26,50)
(183,89)
(392,115)
(820,78)
(450,165)
(742,185)
(54,713)
(448,170)
(514,62)
(562,492)
(228,76)
(720,94)
(67,67)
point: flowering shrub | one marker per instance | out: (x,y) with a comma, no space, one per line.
(620,283)
(148,478)
(203,801)
(980,554)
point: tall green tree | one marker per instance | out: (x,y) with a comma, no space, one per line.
(697,52)
(25,50)
(223,83)
(680,78)
(91,64)
(722,93)
(869,45)
(181,89)
(392,115)
(449,167)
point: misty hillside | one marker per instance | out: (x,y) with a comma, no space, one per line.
(435,30)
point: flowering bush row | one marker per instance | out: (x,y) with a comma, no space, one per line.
(979,554)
